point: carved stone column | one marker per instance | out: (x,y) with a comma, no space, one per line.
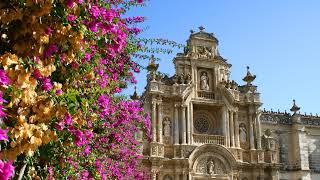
(188,124)
(251,132)
(258,129)
(223,123)
(153,174)
(236,130)
(153,122)
(231,129)
(160,122)
(183,124)
(191,123)
(176,124)
(227,129)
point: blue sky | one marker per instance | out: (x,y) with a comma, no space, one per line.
(279,40)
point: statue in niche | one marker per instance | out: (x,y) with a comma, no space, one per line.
(272,144)
(204,81)
(167,127)
(211,167)
(243,133)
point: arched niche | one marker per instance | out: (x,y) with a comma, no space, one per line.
(200,162)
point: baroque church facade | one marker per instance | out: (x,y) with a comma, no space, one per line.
(206,126)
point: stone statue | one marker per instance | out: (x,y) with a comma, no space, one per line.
(211,167)
(272,144)
(243,133)
(204,81)
(167,127)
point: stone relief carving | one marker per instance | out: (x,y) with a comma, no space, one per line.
(167,127)
(154,150)
(201,52)
(204,81)
(210,165)
(243,133)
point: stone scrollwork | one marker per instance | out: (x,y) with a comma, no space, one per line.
(200,52)
(153,150)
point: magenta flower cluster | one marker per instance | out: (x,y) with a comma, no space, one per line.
(6,167)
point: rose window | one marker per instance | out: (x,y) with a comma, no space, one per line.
(201,124)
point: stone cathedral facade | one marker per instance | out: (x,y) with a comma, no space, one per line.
(207,126)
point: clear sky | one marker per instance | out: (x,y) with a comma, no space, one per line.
(279,40)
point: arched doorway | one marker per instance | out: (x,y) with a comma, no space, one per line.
(212,161)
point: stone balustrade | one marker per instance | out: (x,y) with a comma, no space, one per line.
(206,95)
(208,139)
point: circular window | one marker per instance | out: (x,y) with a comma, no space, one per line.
(201,124)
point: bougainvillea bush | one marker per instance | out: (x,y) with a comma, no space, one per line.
(63,62)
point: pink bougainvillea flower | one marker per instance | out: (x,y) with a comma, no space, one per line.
(6,170)
(70,3)
(4,79)
(49,31)
(71,17)
(95,11)
(58,92)
(67,119)
(46,84)
(50,50)
(37,74)
(2,113)
(4,135)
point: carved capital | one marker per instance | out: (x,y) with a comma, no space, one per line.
(176,105)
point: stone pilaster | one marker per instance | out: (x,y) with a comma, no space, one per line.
(188,125)
(227,128)
(252,147)
(153,121)
(191,123)
(176,124)
(231,129)
(224,123)
(236,130)
(160,122)
(183,124)
(258,130)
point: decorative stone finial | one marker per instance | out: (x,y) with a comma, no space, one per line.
(135,94)
(201,28)
(294,108)
(249,77)
(152,65)
(191,31)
